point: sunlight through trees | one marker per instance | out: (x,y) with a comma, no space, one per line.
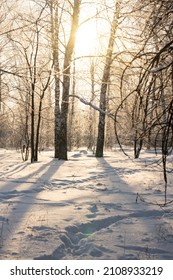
(90,74)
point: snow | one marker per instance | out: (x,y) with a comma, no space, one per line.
(84,208)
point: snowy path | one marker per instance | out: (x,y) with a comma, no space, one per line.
(84,208)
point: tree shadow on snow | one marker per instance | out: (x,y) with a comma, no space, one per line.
(15,200)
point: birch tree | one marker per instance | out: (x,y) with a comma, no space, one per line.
(66,81)
(55,21)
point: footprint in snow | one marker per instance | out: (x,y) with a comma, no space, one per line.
(93,209)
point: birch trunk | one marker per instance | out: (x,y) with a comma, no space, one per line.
(55,50)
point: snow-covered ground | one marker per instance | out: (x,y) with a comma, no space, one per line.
(84,208)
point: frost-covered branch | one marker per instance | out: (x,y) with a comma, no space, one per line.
(84,101)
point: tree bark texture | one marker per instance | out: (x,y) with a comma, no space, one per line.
(55,50)
(66,82)
(105,81)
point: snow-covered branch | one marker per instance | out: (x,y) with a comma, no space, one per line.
(84,101)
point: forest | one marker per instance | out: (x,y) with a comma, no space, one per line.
(87,79)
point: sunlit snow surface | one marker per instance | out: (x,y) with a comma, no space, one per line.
(84,208)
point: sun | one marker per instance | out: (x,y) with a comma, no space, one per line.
(87,39)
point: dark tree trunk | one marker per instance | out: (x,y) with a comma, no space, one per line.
(66,82)
(57,116)
(38,131)
(32,124)
(91,140)
(72,111)
(39,117)
(105,81)
(64,116)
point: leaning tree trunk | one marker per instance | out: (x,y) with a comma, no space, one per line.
(66,82)
(105,81)
(40,115)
